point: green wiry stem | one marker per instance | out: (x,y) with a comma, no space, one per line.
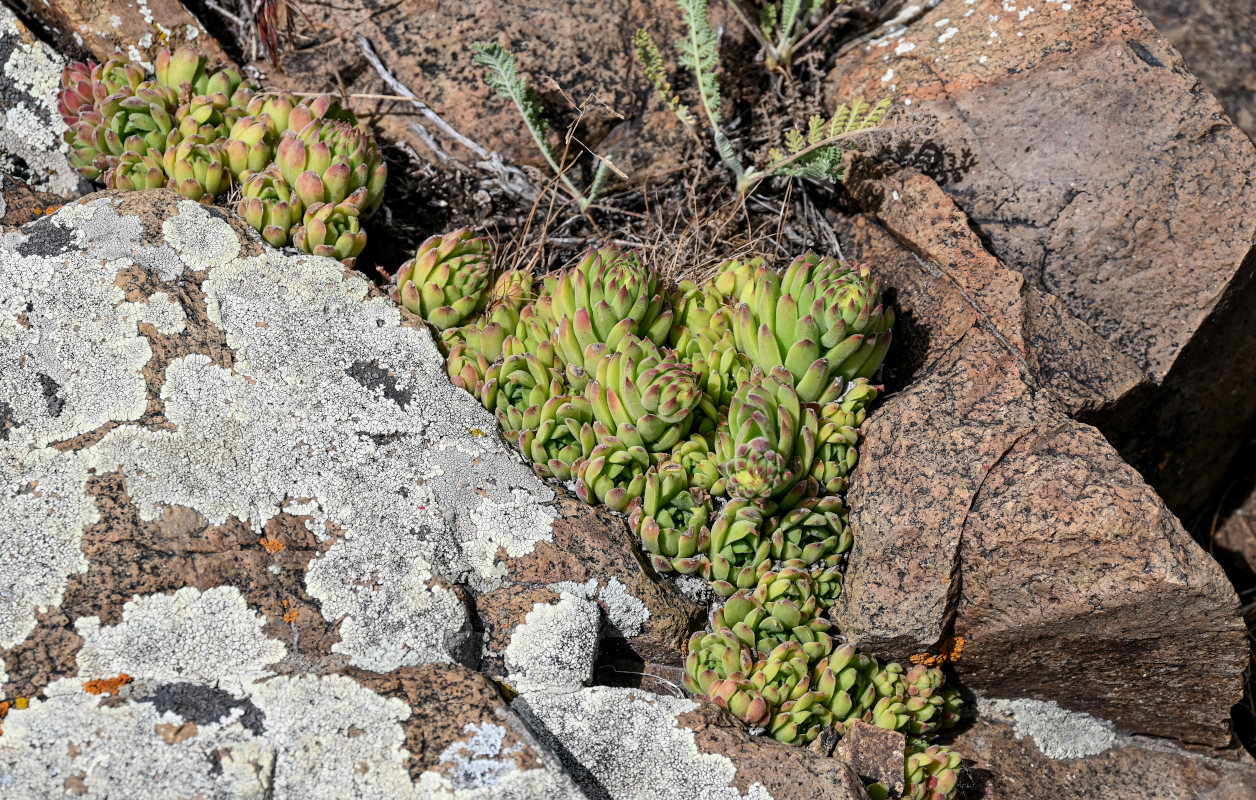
(699,53)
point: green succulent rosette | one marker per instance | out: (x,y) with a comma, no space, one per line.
(613,474)
(696,456)
(134,173)
(766,626)
(741,698)
(269,206)
(769,447)
(836,453)
(715,656)
(516,388)
(845,680)
(737,555)
(561,438)
(446,280)
(197,170)
(931,773)
(928,705)
(138,121)
(333,230)
(811,531)
(607,296)
(643,396)
(329,160)
(784,681)
(249,146)
(466,368)
(205,116)
(88,153)
(182,70)
(821,320)
(672,519)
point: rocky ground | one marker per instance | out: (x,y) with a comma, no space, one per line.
(254,543)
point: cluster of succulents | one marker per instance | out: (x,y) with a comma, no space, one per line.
(305,171)
(721,418)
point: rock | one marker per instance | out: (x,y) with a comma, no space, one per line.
(103,27)
(980,510)
(1028,750)
(1237,535)
(1212,37)
(19,203)
(236,485)
(875,754)
(1108,204)
(30,127)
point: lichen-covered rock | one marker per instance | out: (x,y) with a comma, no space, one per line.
(30,127)
(247,529)
(1031,750)
(139,29)
(1109,204)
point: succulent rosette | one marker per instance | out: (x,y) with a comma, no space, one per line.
(928,706)
(836,453)
(270,206)
(181,70)
(88,153)
(329,160)
(333,230)
(845,680)
(784,681)
(249,146)
(782,608)
(466,368)
(713,657)
(737,555)
(697,458)
(643,396)
(135,172)
(769,446)
(561,437)
(672,519)
(613,474)
(931,773)
(76,90)
(138,122)
(820,320)
(117,74)
(741,698)
(446,280)
(607,296)
(197,170)
(516,388)
(811,531)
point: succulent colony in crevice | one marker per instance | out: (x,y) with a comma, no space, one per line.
(307,173)
(721,417)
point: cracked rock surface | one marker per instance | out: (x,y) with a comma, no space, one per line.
(253,544)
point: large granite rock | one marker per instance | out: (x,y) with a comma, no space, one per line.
(251,541)
(1094,164)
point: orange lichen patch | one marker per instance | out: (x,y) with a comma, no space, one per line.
(476,432)
(107,685)
(271,546)
(289,616)
(948,653)
(507,690)
(21,703)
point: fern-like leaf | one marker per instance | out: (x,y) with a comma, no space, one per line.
(818,153)
(700,53)
(656,72)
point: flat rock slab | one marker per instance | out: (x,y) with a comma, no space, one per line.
(1094,163)
(1027,750)
(250,536)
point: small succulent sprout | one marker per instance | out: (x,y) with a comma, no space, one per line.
(672,519)
(320,107)
(269,206)
(333,230)
(275,107)
(76,90)
(769,446)
(197,170)
(536,334)
(117,74)
(642,396)
(249,146)
(512,290)
(783,675)
(713,657)
(466,368)
(737,555)
(138,122)
(328,161)
(183,70)
(515,389)
(613,474)
(696,457)
(134,173)
(848,690)
(607,296)
(800,722)
(742,699)
(811,531)
(446,281)
(562,437)
(931,773)
(204,116)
